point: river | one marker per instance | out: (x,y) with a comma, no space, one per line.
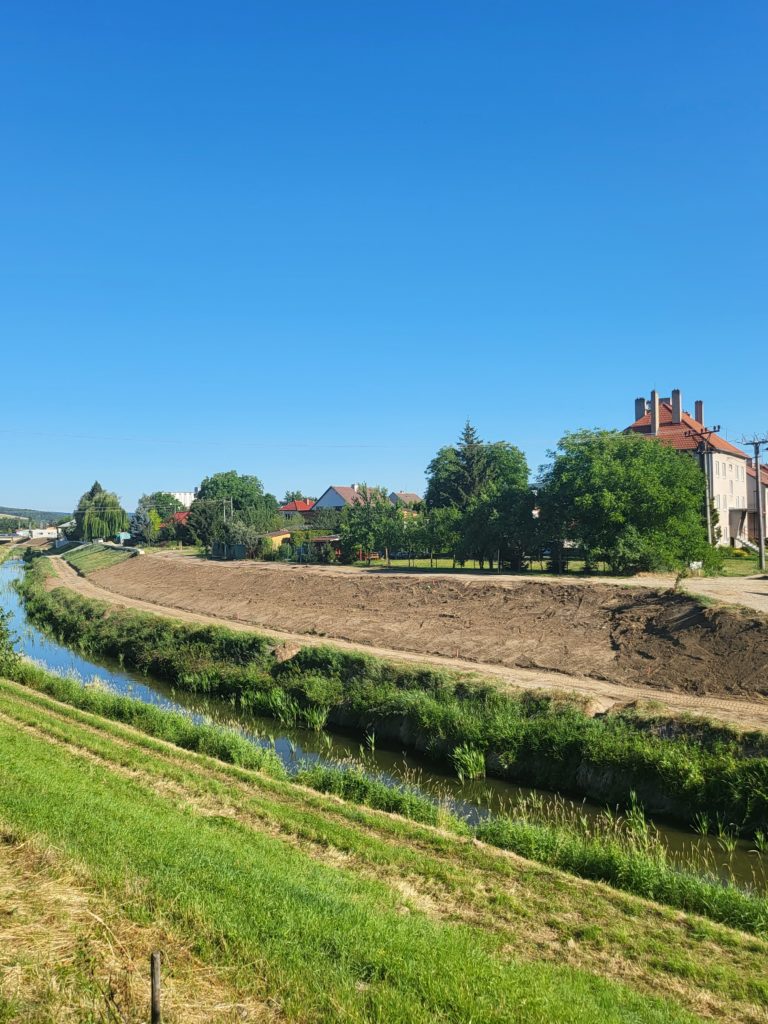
(472,800)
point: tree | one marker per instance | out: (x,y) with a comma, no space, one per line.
(326,519)
(486,486)
(625,499)
(205,520)
(163,502)
(362,523)
(242,491)
(456,473)
(152,511)
(228,498)
(98,515)
(294,496)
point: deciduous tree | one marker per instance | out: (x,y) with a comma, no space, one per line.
(625,499)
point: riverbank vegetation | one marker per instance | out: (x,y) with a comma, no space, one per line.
(240,863)
(688,771)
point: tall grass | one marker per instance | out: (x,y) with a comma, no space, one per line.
(678,769)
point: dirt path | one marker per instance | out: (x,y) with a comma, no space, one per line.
(601,694)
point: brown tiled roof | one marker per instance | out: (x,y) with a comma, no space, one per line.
(349,494)
(408,497)
(673,434)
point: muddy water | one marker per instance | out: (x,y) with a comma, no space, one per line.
(472,800)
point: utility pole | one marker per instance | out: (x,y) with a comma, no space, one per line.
(704,448)
(757,444)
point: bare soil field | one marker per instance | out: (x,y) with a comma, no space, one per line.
(599,695)
(635,636)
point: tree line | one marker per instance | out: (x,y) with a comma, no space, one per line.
(621,499)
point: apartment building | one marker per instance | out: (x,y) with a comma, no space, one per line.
(724,465)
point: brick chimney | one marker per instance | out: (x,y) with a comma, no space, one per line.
(639,408)
(699,413)
(654,412)
(677,406)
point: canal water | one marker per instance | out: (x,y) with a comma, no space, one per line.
(472,800)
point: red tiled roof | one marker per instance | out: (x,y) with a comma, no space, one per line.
(763,474)
(408,497)
(300,505)
(179,517)
(673,434)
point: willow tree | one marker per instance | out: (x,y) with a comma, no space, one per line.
(99,514)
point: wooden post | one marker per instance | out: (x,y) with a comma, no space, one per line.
(154,967)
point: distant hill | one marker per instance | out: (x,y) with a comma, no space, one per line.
(34,514)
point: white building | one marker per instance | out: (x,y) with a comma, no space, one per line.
(724,465)
(185,498)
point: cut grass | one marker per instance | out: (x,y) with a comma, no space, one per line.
(67,955)
(626,854)
(335,912)
(96,556)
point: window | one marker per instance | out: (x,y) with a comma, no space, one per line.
(717,468)
(730,486)
(730,467)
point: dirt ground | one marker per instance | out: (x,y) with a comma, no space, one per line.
(610,643)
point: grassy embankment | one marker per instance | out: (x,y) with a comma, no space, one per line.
(692,772)
(301,907)
(96,556)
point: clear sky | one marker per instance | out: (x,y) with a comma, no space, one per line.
(307,240)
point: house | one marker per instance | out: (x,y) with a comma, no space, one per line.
(724,465)
(336,497)
(276,537)
(38,533)
(406,499)
(297,509)
(177,518)
(752,529)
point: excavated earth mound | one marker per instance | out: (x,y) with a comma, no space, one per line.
(625,635)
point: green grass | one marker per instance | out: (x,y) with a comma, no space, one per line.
(303,898)
(746,563)
(624,852)
(96,556)
(683,770)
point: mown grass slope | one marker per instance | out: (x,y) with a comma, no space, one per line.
(95,556)
(321,910)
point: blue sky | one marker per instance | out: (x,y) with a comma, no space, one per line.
(309,240)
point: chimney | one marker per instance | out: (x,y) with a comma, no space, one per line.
(677,406)
(654,412)
(354,488)
(699,414)
(639,408)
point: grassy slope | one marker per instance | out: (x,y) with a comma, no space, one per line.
(341,913)
(88,560)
